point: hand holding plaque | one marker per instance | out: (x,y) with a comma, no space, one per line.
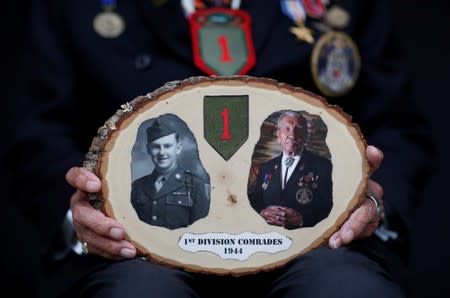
(229,175)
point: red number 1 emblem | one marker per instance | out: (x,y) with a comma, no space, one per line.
(225,122)
(226,135)
(223,42)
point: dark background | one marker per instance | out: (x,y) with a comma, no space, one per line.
(423,29)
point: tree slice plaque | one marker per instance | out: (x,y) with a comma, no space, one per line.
(228,175)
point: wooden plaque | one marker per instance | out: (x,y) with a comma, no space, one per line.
(218,141)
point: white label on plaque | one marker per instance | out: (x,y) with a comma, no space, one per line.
(239,247)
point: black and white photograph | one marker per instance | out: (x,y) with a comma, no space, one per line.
(170,188)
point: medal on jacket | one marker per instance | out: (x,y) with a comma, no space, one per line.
(304,196)
(306,183)
(336,17)
(335,63)
(221,38)
(107,23)
(297,10)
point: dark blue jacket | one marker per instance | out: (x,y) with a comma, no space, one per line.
(267,190)
(72,80)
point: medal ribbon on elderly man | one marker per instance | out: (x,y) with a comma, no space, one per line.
(297,10)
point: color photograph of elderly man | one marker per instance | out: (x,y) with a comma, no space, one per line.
(171,195)
(292,187)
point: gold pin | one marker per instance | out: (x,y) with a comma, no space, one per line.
(337,17)
(302,33)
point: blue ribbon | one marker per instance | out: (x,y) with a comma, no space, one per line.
(108,2)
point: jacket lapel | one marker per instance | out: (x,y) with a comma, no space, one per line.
(277,174)
(150,190)
(262,14)
(169,24)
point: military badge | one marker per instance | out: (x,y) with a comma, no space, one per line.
(267,179)
(222,42)
(297,11)
(335,63)
(304,196)
(306,183)
(309,181)
(337,17)
(108,24)
(227,133)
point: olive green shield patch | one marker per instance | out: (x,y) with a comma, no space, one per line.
(226,123)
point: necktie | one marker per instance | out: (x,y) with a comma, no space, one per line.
(288,162)
(159,182)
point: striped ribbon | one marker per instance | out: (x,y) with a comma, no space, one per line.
(189,6)
(297,10)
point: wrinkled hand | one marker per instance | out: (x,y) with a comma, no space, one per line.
(364,220)
(282,216)
(104,236)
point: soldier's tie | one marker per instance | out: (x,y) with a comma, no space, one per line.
(159,182)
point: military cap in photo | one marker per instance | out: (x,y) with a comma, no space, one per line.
(156,131)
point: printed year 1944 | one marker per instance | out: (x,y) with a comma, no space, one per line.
(233,250)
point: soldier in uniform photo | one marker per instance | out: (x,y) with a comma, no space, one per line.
(294,189)
(170,196)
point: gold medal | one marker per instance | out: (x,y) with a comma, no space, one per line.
(108,24)
(337,17)
(303,33)
(335,63)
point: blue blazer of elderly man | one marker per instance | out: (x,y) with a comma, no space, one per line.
(294,189)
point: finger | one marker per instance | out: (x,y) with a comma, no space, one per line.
(264,213)
(110,249)
(87,219)
(274,218)
(83,179)
(275,221)
(104,235)
(343,236)
(370,229)
(375,157)
(270,213)
(274,208)
(354,227)
(335,240)
(285,209)
(375,188)
(288,212)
